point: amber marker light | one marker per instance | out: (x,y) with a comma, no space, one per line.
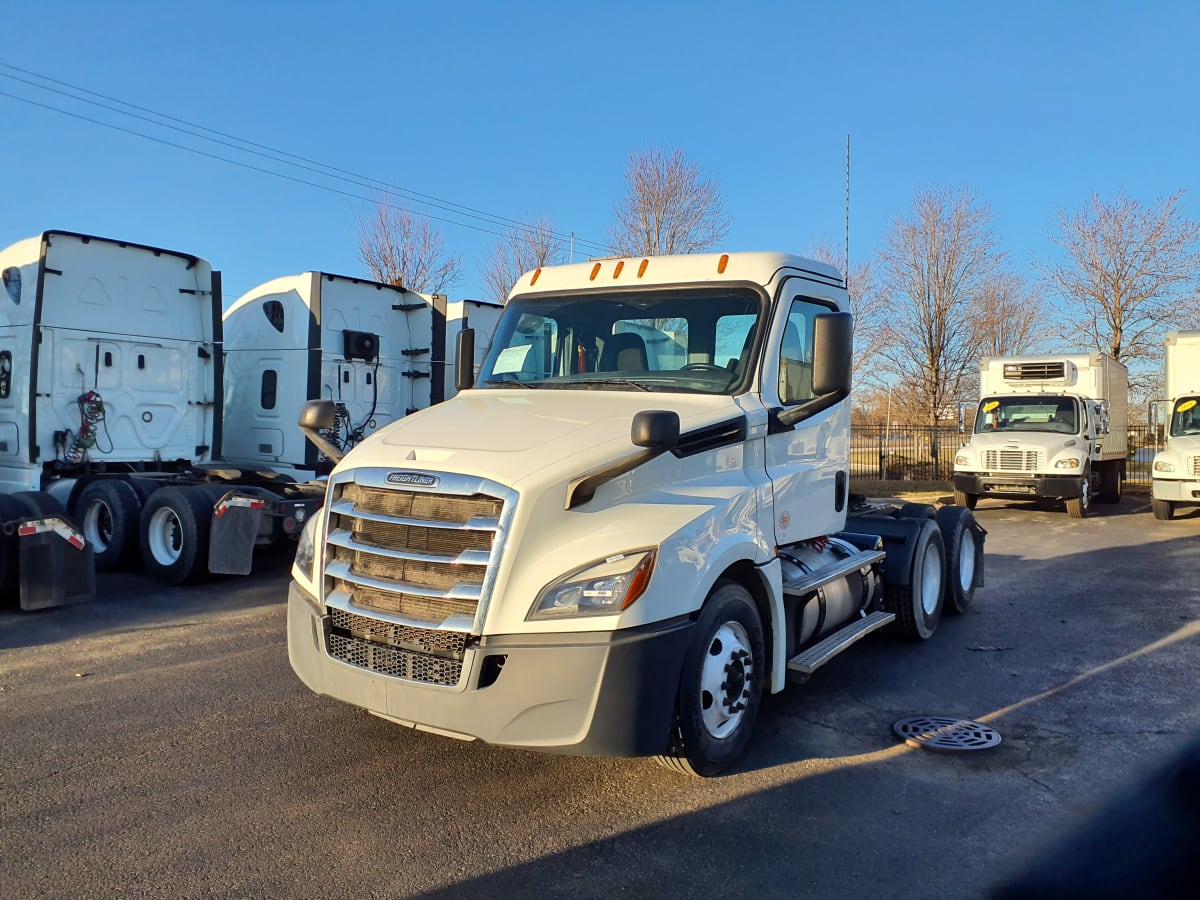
(595,272)
(642,267)
(617,270)
(640,580)
(533,280)
(722,263)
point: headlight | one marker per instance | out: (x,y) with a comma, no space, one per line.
(600,589)
(1071,462)
(1161,465)
(962,460)
(306,556)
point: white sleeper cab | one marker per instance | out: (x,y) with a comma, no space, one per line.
(629,525)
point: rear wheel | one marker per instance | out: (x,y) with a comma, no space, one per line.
(108,512)
(1164,510)
(964,555)
(720,689)
(961,498)
(918,604)
(10,512)
(175,527)
(39,503)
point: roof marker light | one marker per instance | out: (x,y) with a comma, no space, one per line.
(722,263)
(533,280)
(617,270)
(595,272)
(642,267)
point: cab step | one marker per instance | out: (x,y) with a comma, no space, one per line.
(808,661)
(832,572)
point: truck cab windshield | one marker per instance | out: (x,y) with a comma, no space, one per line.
(1185,419)
(694,341)
(1059,415)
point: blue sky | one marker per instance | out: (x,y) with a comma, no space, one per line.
(527,108)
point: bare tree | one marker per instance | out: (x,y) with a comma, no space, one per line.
(937,262)
(1128,272)
(1008,317)
(525,246)
(869,303)
(668,207)
(404,249)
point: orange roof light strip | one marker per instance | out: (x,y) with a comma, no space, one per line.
(642,267)
(617,270)
(533,280)
(595,272)
(722,263)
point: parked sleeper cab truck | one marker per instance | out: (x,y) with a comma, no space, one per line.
(1175,478)
(633,524)
(1051,426)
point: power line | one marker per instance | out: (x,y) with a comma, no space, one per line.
(272,154)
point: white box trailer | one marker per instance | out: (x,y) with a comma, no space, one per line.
(1051,426)
(1175,479)
(111,405)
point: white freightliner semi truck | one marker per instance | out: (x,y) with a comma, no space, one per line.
(1051,426)
(1175,479)
(631,525)
(114,399)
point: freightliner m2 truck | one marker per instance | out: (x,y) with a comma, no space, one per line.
(633,523)
(1176,472)
(1051,426)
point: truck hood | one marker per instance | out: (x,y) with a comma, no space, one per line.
(507,435)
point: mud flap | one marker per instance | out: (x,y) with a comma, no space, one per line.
(235,522)
(56,564)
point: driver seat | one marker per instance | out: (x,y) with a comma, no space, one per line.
(623,352)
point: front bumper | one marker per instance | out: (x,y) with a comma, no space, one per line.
(1176,490)
(585,693)
(1015,484)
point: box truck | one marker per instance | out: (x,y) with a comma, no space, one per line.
(1175,480)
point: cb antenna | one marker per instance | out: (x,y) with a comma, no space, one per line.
(846,274)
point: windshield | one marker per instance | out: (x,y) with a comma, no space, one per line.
(1040,412)
(698,341)
(1186,417)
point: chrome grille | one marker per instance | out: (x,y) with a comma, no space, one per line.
(405,571)
(1012,460)
(1194,465)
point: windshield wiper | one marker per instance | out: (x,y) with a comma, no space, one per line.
(640,385)
(501,382)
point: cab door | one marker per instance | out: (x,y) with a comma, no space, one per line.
(808,462)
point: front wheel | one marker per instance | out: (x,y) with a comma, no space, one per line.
(720,689)
(962,498)
(1077,507)
(1164,510)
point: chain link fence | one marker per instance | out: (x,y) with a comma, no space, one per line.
(925,453)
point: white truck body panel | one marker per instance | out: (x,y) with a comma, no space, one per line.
(127,325)
(1176,468)
(287,344)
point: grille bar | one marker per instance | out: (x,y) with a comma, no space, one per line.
(474,523)
(341,569)
(1194,465)
(345,539)
(1012,460)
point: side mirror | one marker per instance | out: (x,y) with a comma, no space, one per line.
(655,429)
(962,417)
(833,353)
(317,416)
(464,360)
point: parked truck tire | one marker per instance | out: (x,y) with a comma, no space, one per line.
(38,504)
(1111,482)
(108,511)
(961,498)
(1164,510)
(964,555)
(1077,507)
(720,688)
(174,529)
(10,511)
(918,605)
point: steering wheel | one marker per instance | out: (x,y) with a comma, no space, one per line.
(704,367)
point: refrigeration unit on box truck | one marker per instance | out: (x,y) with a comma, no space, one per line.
(1051,426)
(631,525)
(1176,470)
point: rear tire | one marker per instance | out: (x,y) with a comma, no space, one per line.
(720,688)
(1111,486)
(1164,510)
(964,555)
(916,511)
(10,511)
(39,504)
(918,604)
(964,499)
(108,511)
(174,533)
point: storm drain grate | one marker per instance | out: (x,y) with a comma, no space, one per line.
(945,733)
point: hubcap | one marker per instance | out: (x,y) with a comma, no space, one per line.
(166,536)
(966,560)
(1085,496)
(931,579)
(97,525)
(726,680)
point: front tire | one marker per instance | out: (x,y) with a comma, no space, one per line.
(918,604)
(720,689)
(961,498)
(1164,510)
(1077,507)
